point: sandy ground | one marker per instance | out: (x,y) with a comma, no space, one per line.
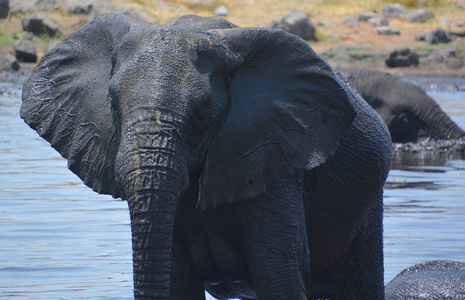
(329,15)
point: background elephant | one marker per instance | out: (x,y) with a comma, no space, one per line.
(249,167)
(407,110)
(441,279)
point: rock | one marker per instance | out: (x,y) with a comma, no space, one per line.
(8,63)
(402,57)
(420,15)
(79,6)
(106,7)
(350,21)
(378,21)
(22,6)
(394,10)
(365,16)
(455,34)
(372,17)
(25,51)
(221,11)
(460,5)
(438,36)
(4,8)
(333,36)
(197,3)
(29,36)
(445,21)
(420,36)
(340,52)
(460,21)
(449,57)
(296,22)
(34,5)
(40,24)
(387,30)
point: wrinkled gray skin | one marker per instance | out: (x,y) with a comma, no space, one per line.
(250,169)
(407,110)
(441,279)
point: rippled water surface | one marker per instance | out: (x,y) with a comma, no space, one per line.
(60,240)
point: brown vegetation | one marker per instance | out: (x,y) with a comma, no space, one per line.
(261,12)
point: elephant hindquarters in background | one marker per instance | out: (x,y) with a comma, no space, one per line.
(407,110)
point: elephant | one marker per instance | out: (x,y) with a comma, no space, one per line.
(251,170)
(438,279)
(407,110)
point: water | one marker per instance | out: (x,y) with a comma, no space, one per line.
(424,210)
(60,240)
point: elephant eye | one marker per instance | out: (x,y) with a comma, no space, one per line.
(203,114)
(112,103)
(404,128)
(404,122)
(114,106)
(203,119)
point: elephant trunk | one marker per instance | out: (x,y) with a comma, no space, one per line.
(442,126)
(152,175)
(152,220)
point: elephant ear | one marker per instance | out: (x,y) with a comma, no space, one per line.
(287,114)
(65,99)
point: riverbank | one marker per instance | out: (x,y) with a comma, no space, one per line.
(343,39)
(357,59)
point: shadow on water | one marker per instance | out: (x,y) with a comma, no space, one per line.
(61,240)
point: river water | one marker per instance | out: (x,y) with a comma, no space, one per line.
(60,240)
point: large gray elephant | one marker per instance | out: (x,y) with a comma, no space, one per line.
(407,110)
(438,279)
(250,169)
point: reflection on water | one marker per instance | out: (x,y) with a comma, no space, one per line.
(61,240)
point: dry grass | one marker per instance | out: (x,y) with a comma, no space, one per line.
(262,12)
(332,12)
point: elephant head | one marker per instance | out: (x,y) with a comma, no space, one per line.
(136,108)
(407,110)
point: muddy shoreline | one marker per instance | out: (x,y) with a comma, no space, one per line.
(433,69)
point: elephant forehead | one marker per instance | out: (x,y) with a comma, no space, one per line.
(164,51)
(159,53)
(172,39)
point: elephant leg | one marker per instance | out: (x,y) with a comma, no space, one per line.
(185,282)
(276,242)
(359,274)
